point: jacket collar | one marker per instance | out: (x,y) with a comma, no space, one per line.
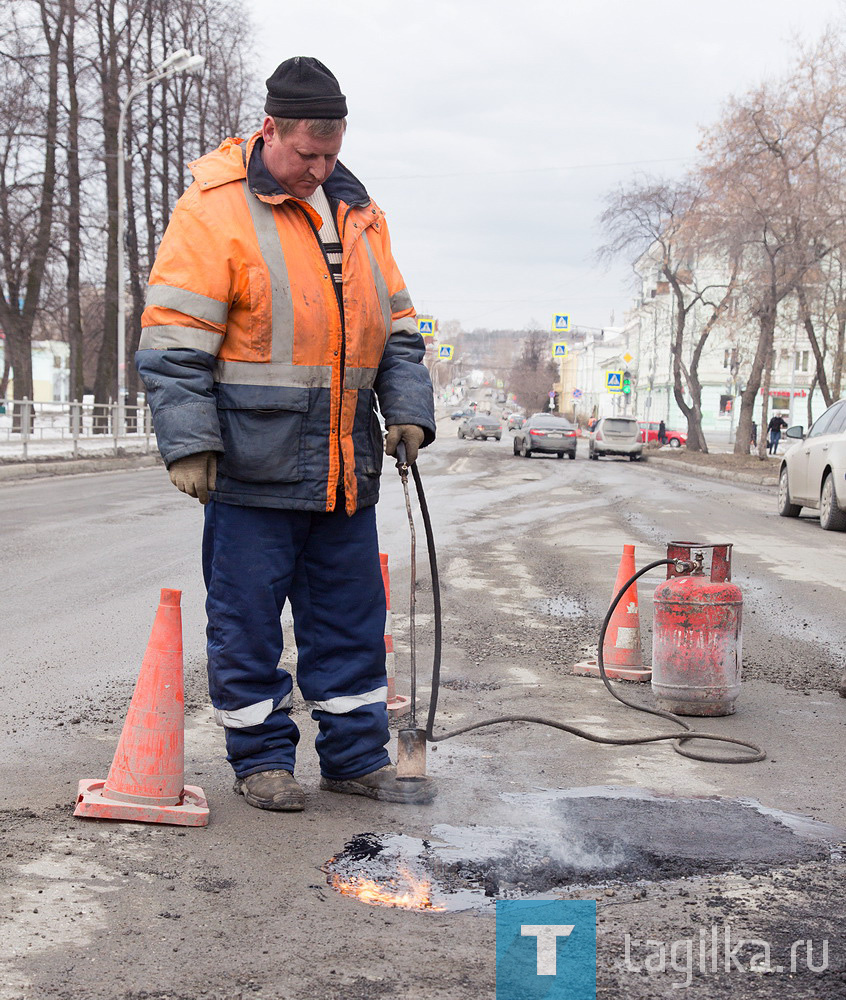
(343,185)
(237,160)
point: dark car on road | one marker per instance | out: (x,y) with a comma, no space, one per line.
(515,421)
(461,414)
(480,427)
(543,433)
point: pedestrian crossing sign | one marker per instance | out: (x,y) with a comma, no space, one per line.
(444,352)
(425,326)
(560,322)
(614,381)
(559,349)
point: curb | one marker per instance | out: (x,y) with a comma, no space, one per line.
(707,472)
(18,471)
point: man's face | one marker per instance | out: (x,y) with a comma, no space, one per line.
(299,162)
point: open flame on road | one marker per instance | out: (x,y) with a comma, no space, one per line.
(404,890)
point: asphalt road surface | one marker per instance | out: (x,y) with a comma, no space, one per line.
(674,851)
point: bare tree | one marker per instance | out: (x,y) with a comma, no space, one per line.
(68,66)
(117,25)
(768,165)
(29,120)
(820,109)
(533,375)
(821,304)
(177,121)
(73,223)
(661,220)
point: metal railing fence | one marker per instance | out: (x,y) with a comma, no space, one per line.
(26,422)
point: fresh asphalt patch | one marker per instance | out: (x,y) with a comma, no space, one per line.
(576,837)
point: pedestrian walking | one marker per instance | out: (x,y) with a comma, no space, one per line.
(774,429)
(276,317)
(662,432)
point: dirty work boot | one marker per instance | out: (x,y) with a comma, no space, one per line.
(384,786)
(271,790)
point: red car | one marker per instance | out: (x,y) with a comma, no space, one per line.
(649,432)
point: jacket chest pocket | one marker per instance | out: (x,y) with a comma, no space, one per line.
(262,431)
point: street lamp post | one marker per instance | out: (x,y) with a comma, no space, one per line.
(182,61)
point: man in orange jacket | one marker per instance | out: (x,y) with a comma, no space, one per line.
(276,319)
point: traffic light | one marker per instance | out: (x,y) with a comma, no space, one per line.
(627,383)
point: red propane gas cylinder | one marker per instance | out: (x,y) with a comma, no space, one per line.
(697,635)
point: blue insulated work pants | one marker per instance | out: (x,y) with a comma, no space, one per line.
(327,566)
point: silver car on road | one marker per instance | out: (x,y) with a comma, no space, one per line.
(616,436)
(813,471)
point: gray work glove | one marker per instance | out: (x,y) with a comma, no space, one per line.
(410,434)
(195,474)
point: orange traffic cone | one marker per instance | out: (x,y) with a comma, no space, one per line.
(621,653)
(398,704)
(145,779)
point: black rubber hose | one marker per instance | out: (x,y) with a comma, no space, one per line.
(678,739)
(436,598)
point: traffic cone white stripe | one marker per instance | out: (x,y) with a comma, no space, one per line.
(397,704)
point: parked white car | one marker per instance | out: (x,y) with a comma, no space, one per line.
(813,471)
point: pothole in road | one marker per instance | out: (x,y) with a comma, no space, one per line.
(552,841)
(465,684)
(560,607)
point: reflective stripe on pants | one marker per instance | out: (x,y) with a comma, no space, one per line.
(327,566)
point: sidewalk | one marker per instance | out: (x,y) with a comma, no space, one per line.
(55,457)
(718,465)
(719,442)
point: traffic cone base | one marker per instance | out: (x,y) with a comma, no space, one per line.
(191,810)
(398,706)
(590,668)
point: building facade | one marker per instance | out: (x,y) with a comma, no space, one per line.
(641,347)
(50,371)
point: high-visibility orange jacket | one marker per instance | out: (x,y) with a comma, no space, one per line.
(245,350)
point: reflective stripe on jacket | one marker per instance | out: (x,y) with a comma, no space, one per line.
(244,349)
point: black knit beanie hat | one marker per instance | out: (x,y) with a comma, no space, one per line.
(302,87)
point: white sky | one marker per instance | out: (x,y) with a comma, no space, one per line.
(489,131)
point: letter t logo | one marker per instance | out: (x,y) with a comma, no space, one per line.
(547,935)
